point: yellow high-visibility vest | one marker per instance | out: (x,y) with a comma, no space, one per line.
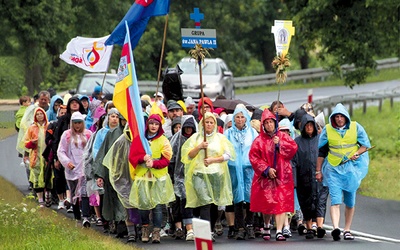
(339,146)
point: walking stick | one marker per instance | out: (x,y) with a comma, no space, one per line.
(199,53)
(368,149)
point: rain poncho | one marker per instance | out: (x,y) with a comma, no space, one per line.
(347,176)
(240,169)
(176,164)
(207,184)
(35,144)
(112,207)
(309,190)
(150,186)
(26,122)
(272,196)
(51,113)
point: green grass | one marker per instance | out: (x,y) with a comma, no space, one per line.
(6,129)
(383,129)
(23,225)
(381,76)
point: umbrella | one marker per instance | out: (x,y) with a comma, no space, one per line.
(230,105)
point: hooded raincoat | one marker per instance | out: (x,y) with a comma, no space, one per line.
(35,143)
(272,196)
(345,176)
(176,165)
(312,195)
(240,169)
(207,184)
(51,113)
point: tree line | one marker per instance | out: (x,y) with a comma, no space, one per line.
(329,33)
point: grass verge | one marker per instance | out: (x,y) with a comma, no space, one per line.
(383,129)
(23,225)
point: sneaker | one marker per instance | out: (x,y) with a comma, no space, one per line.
(310,234)
(190,235)
(131,238)
(231,234)
(179,234)
(145,234)
(155,238)
(86,223)
(41,204)
(250,232)
(67,203)
(61,205)
(301,229)
(286,232)
(99,222)
(314,228)
(241,235)
(70,209)
(321,232)
(163,233)
(213,237)
(219,229)
(47,199)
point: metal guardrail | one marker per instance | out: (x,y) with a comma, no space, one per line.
(326,104)
(294,75)
(304,75)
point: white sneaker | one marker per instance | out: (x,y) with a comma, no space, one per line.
(163,233)
(86,223)
(61,205)
(190,235)
(70,209)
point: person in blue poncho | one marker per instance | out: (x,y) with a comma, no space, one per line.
(242,135)
(342,140)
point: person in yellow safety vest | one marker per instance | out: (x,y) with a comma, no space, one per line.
(341,140)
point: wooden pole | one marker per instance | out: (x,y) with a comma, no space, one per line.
(162,52)
(202,103)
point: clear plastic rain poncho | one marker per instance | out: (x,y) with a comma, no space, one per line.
(140,187)
(207,184)
(347,176)
(240,169)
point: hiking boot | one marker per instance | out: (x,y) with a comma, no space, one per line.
(179,234)
(241,235)
(250,232)
(301,229)
(310,234)
(145,234)
(321,232)
(156,235)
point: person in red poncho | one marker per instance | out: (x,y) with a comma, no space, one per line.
(272,188)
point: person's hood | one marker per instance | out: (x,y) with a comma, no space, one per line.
(81,108)
(84,97)
(267,114)
(304,120)
(160,129)
(189,121)
(209,102)
(53,100)
(228,119)
(39,109)
(207,115)
(241,109)
(339,109)
(175,121)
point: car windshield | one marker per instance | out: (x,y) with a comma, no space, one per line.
(89,82)
(190,67)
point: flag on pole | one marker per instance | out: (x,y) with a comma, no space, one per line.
(127,100)
(90,54)
(137,17)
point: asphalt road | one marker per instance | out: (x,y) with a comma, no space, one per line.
(376,222)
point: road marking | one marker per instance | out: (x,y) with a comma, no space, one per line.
(365,236)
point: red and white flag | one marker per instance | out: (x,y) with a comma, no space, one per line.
(90,54)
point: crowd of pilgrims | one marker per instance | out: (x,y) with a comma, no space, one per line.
(243,171)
